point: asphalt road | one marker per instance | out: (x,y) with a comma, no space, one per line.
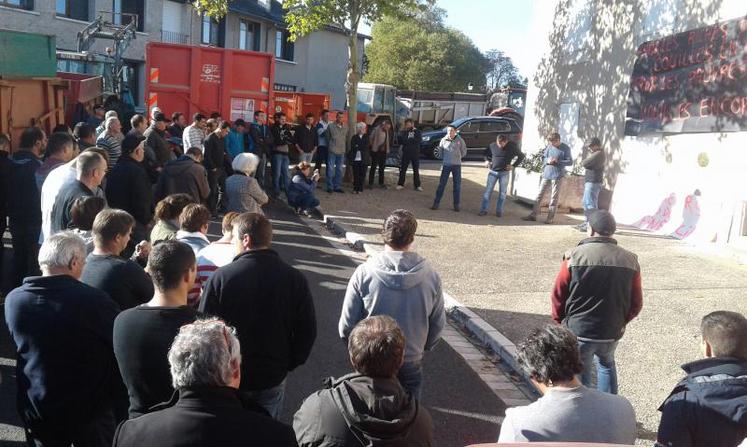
(463,408)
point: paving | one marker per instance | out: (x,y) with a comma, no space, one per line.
(503,270)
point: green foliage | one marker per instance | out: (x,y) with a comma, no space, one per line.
(503,72)
(216,9)
(420,53)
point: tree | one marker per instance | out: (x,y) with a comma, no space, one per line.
(216,9)
(502,70)
(421,53)
(306,16)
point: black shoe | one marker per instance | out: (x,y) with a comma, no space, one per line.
(498,214)
(457,209)
(434,207)
(329,190)
(482,213)
(339,190)
(383,187)
(529,218)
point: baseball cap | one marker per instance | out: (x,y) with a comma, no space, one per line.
(130,143)
(602,222)
(161,117)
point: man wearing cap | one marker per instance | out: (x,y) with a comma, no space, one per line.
(594,164)
(596,294)
(129,189)
(157,149)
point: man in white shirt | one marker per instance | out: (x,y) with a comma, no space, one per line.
(194,134)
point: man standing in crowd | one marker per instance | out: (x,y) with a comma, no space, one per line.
(194,134)
(567,411)
(262,142)
(557,156)
(380,145)
(322,133)
(178,124)
(400,283)
(594,165)
(343,412)
(194,221)
(270,304)
(62,330)
(143,334)
(102,126)
(411,138)
(338,134)
(359,156)
(24,203)
(215,165)
(98,116)
(281,134)
(708,406)
(90,172)
(236,139)
(498,159)
(85,136)
(156,144)
(307,139)
(206,363)
(60,150)
(596,294)
(111,140)
(138,125)
(129,189)
(454,149)
(124,280)
(215,255)
(184,175)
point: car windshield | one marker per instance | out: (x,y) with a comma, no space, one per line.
(459,122)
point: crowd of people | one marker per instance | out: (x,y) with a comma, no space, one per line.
(132,328)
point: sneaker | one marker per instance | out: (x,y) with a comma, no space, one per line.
(419,188)
(339,190)
(457,209)
(498,214)
(329,190)
(434,207)
(529,218)
(482,213)
(399,187)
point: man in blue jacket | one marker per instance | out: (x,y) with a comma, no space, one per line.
(557,157)
(709,406)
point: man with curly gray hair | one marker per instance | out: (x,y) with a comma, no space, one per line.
(206,409)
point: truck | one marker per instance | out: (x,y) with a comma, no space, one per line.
(509,102)
(434,110)
(295,105)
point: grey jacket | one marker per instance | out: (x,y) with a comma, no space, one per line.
(337,136)
(404,286)
(244,195)
(453,150)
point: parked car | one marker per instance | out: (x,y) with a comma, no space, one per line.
(478,132)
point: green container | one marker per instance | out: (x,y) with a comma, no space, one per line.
(27,55)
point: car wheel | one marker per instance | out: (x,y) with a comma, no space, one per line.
(436,153)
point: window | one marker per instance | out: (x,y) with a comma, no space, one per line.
(126,11)
(209,31)
(249,35)
(469,127)
(495,126)
(72,9)
(283,47)
(21,4)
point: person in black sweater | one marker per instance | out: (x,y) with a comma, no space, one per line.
(499,157)
(270,304)
(216,161)
(91,169)
(128,188)
(207,410)
(411,137)
(143,334)
(359,156)
(65,368)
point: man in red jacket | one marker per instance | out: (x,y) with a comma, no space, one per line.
(597,293)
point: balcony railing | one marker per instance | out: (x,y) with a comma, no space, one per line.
(174,37)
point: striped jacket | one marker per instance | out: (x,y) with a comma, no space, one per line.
(193,136)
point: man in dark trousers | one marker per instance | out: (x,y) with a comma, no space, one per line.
(157,148)
(24,203)
(206,362)
(91,169)
(270,304)
(597,293)
(500,158)
(262,142)
(62,330)
(185,175)
(411,139)
(709,406)
(594,164)
(128,188)
(215,163)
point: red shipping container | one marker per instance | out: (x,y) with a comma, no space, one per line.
(26,102)
(191,79)
(296,105)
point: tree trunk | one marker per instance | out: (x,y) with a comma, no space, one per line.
(351,90)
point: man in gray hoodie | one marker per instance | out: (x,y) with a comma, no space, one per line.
(453,148)
(401,284)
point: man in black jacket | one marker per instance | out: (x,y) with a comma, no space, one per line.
(410,139)
(128,188)
(185,175)
(91,169)
(369,405)
(709,406)
(62,330)
(155,143)
(215,163)
(270,304)
(205,362)
(24,203)
(500,158)
(594,164)
(262,141)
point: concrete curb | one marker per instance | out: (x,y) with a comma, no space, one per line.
(475,326)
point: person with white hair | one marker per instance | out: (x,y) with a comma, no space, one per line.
(205,365)
(111,140)
(102,126)
(243,193)
(62,330)
(359,156)
(90,171)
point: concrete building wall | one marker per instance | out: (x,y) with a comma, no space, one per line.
(584,63)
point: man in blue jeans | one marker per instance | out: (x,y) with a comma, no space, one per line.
(597,293)
(594,165)
(498,158)
(453,149)
(338,134)
(283,139)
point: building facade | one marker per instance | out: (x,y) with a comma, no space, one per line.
(680,178)
(314,63)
